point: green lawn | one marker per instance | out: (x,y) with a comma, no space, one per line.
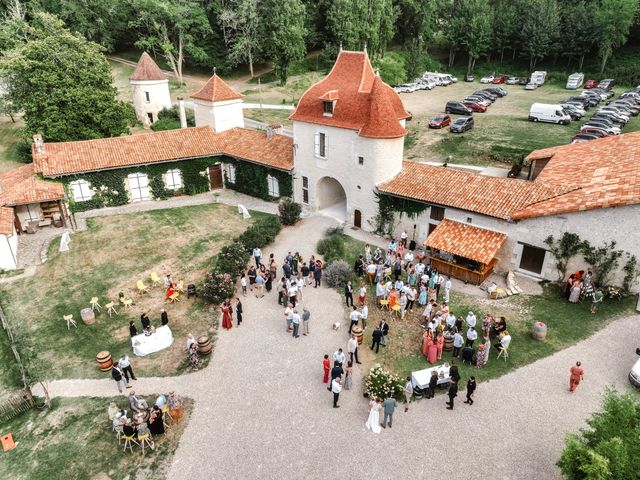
(9,143)
(73,440)
(108,259)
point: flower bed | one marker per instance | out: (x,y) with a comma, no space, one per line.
(381,383)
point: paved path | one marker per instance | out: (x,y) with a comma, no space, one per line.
(261,410)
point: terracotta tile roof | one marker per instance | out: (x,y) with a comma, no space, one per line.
(68,158)
(6,220)
(607,172)
(467,241)
(20,186)
(216,90)
(359,107)
(147,69)
(492,196)
(330,95)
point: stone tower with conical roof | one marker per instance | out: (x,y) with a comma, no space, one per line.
(218,105)
(150,90)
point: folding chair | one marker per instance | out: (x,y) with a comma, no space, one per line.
(146,439)
(504,352)
(142,288)
(111,309)
(166,417)
(70,321)
(384,304)
(129,441)
(180,286)
(396,309)
(174,297)
(94,304)
(127,303)
(118,431)
(155,279)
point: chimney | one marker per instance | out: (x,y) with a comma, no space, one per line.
(39,143)
(274,129)
(183,113)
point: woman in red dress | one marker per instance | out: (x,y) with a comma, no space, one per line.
(577,374)
(226,316)
(326,365)
(440,345)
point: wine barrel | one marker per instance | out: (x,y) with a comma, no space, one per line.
(204,345)
(105,362)
(88,316)
(448,343)
(359,333)
(418,392)
(539,331)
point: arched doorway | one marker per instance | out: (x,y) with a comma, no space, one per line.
(331,199)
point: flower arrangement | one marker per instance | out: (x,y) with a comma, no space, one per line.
(382,384)
(613,292)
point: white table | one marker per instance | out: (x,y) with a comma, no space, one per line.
(144,345)
(421,377)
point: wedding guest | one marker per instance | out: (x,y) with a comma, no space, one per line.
(193,357)
(326,366)
(577,374)
(348,371)
(471,388)
(306,314)
(175,406)
(408,393)
(156,422)
(132,329)
(125,364)
(238,310)
(164,318)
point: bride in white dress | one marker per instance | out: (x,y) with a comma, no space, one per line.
(373,422)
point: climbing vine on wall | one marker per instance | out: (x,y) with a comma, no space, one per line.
(252,179)
(110,190)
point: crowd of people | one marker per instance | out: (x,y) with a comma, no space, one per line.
(579,286)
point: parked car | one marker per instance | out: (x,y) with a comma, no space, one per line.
(500,79)
(405,88)
(583,137)
(634,374)
(582,104)
(457,108)
(632,108)
(492,97)
(475,106)
(440,121)
(469,77)
(487,79)
(462,124)
(607,83)
(614,119)
(531,86)
(607,127)
(598,132)
(572,111)
(523,80)
(604,94)
(633,95)
(477,99)
(551,113)
(591,84)
(616,111)
(499,91)
(512,81)
(574,81)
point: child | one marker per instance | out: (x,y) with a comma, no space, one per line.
(243,284)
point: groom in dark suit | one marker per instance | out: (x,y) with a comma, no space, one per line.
(384,327)
(377,337)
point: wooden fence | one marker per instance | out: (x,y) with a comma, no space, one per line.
(17,404)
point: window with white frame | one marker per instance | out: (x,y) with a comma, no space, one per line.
(231,173)
(274,187)
(81,190)
(321,143)
(173,179)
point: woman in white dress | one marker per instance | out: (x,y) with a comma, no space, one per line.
(373,422)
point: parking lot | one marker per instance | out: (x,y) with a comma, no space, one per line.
(502,132)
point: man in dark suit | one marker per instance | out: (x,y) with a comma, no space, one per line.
(336,372)
(384,327)
(433,384)
(377,337)
(118,376)
(348,294)
(164,318)
(453,392)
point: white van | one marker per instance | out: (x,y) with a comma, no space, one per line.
(538,78)
(575,81)
(544,112)
(433,77)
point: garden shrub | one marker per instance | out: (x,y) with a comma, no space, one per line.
(289,211)
(261,233)
(331,248)
(218,286)
(232,259)
(337,274)
(380,383)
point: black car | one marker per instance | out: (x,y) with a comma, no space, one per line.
(584,105)
(523,80)
(499,91)
(615,120)
(458,108)
(488,95)
(462,124)
(469,78)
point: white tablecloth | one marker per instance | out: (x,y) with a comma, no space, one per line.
(421,377)
(161,339)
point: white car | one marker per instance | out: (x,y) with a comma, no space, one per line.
(406,88)
(531,86)
(623,116)
(634,374)
(512,81)
(488,79)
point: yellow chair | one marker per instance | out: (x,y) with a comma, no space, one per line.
(129,441)
(504,352)
(384,304)
(111,309)
(155,279)
(70,321)
(94,304)
(396,309)
(166,418)
(180,286)
(174,297)
(142,288)
(146,439)
(127,303)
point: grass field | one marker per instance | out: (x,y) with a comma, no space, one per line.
(73,439)
(9,141)
(108,259)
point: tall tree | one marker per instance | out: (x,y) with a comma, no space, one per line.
(539,29)
(173,29)
(477,36)
(504,25)
(241,21)
(577,20)
(414,20)
(285,34)
(454,26)
(613,20)
(63,85)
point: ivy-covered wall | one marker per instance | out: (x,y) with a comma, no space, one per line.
(110,190)
(411,208)
(252,179)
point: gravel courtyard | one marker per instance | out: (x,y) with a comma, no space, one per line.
(263,412)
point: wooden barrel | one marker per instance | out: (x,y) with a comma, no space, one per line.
(417,392)
(359,333)
(204,345)
(88,316)
(539,331)
(105,362)
(448,343)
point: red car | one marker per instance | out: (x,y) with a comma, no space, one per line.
(591,84)
(500,79)
(440,121)
(476,107)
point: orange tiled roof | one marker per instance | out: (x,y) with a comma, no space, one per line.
(492,196)
(6,221)
(216,90)
(147,69)
(66,158)
(467,241)
(363,103)
(607,172)
(20,186)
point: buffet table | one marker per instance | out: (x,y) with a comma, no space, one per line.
(421,378)
(144,345)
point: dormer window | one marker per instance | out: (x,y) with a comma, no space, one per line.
(327,108)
